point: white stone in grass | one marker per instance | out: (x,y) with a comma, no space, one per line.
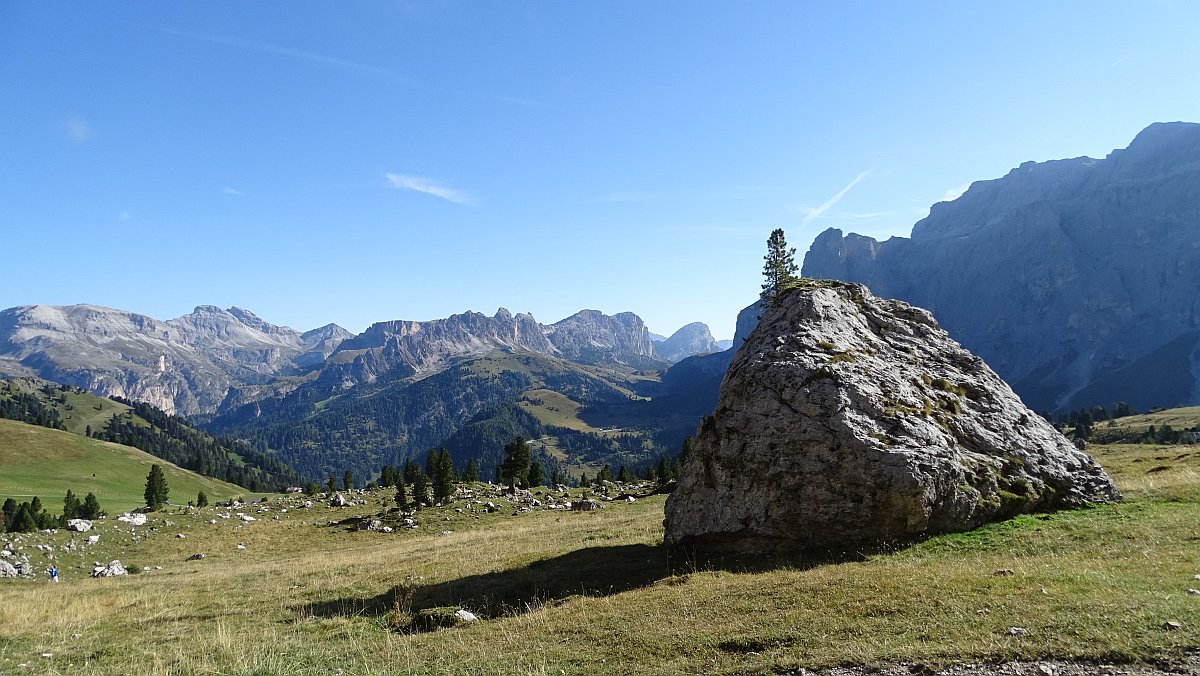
(1193,592)
(93,539)
(465,615)
(1017,631)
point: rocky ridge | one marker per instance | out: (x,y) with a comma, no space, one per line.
(184,365)
(1075,279)
(689,340)
(847,421)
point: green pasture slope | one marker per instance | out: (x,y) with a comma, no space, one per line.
(45,462)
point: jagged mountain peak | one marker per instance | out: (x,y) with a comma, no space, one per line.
(1075,279)
(691,339)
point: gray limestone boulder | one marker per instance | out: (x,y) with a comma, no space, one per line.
(847,422)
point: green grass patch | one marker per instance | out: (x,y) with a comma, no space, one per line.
(46,463)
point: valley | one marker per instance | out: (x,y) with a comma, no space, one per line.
(580,591)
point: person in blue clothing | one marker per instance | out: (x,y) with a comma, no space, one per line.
(53,573)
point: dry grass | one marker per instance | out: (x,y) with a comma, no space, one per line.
(595,593)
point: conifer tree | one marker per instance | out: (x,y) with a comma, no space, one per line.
(420,487)
(156,488)
(91,507)
(779,267)
(24,521)
(515,465)
(537,475)
(471,475)
(443,476)
(331,485)
(663,472)
(401,495)
(623,475)
(201,499)
(10,512)
(71,506)
(347,480)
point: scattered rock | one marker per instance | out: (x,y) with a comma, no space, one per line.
(1193,592)
(1004,571)
(79,525)
(247,518)
(196,557)
(1172,625)
(135,519)
(93,539)
(180,536)
(588,505)
(338,500)
(240,546)
(465,615)
(7,569)
(1017,631)
(113,569)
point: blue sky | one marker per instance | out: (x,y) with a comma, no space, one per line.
(358,162)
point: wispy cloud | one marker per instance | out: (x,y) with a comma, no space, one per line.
(346,64)
(954,193)
(124,216)
(1119,61)
(77,129)
(293,53)
(814,214)
(233,191)
(429,187)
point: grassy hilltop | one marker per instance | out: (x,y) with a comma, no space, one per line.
(573,592)
(47,463)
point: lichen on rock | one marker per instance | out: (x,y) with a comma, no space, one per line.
(847,421)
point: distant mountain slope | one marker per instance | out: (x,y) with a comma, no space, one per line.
(47,463)
(488,398)
(592,337)
(144,427)
(184,365)
(694,338)
(1074,279)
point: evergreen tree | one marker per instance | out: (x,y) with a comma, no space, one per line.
(583,479)
(623,475)
(71,506)
(663,472)
(35,507)
(537,476)
(156,488)
(10,512)
(311,488)
(331,485)
(91,507)
(420,487)
(410,471)
(515,465)
(347,480)
(388,476)
(401,495)
(604,475)
(779,267)
(471,475)
(23,521)
(202,499)
(443,477)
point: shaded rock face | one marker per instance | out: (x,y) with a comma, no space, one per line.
(1075,279)
(847,421)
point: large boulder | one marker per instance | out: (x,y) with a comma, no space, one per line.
(848,422)
(113,569)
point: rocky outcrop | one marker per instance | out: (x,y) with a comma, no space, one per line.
(183,366)
(592,337)
(847,421)
(1074,279)
(693,339)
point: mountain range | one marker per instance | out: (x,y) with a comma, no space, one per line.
(1074,279)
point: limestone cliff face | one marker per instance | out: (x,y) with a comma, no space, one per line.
(407,347)
(183,366)
(590,336)
(692,339)
(848,421)
(1074,279)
